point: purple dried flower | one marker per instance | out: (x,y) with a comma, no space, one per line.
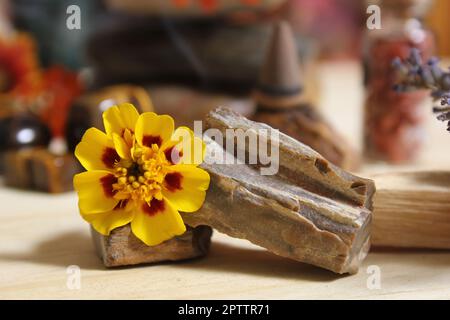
(413,74)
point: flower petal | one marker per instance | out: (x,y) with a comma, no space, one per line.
(185,187)
(96,151)
(184,147)
(105,222)
(153,129)
(123,150)
(118,118)
(157,222)
(95,191)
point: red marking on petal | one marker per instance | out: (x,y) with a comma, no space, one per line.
(172,156)
(173,181)
(154,207)
(121,205)
(110,157)
(107,184)
(148,141)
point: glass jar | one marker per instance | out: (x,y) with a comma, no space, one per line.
(393,121)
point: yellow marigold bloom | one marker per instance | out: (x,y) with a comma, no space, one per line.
(141,171)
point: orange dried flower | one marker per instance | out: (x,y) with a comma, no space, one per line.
(59,87)
(18,64)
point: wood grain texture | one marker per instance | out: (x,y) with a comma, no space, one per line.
(412,210)
(34,262)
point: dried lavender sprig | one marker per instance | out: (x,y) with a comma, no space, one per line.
(444,111)
(445,100)
(413,75)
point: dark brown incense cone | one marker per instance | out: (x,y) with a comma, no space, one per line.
(280,102)
(280,84)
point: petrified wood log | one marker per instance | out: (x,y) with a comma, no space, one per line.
(122,248)
(412,210)
(310,211)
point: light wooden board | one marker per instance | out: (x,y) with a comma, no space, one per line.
(40,240)
(42,235)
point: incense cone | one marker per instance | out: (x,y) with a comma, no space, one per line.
(280,84)
(280,102)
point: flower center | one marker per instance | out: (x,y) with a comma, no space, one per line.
(142,177)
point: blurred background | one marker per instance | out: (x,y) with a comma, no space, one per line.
(63,62)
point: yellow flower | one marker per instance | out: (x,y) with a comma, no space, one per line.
(141,172)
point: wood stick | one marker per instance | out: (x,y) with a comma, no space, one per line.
(122,248)
(310,211)
(412,210)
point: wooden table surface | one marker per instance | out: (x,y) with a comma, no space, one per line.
(42,235)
